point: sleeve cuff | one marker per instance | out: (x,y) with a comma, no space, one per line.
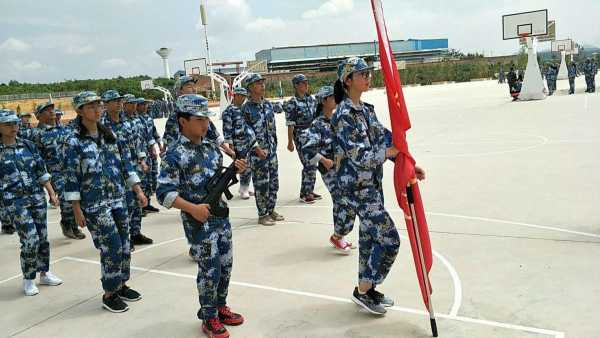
(290,123)
(380,155)
(132,180)
(152,142)
(220,140)
(228,141)
(315,160)
(170,199)
(45,178)
(72,196)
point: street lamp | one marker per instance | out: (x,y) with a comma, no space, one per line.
(205,24)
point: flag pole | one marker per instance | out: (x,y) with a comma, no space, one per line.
(415,226)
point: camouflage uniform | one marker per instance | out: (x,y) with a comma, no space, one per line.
(299,113)
(238,134)
(51,141)
(590,69)
(98,171)
(572,76)
(151,134)
(551,79)
(265,177)
(22,174)
(360,148)
(141,142)
(185,171)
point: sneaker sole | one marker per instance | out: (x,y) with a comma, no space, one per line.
(362,305)
(32,294)
(113,310)
(50,284)
(223,335)
(131,299)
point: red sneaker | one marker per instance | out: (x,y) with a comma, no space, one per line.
(229,318)
(340,245)
(308,199)
(316,196)
(214,329)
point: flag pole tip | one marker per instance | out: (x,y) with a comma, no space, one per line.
(434,327)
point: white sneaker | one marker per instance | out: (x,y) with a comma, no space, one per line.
(50,279)
(30,288)
(244,194)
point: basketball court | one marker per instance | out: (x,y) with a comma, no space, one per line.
(511,195)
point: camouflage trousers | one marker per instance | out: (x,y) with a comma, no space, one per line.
(342,226)
(265,178)
(245,177)
(590,81)
(309,171)
(67,217)
(212,249)
(379,241)
(29,217)
(571,85)
(108,225)
(135,214)
(149,179)
(5,216)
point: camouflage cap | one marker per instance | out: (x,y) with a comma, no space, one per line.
(40,107)
(324,92)
(183,80)
(129,98)
(351,65)
(8,116)
(194,105)
(240,91)
(299,78)
(28,114)
(111,95)
(251,78)
(58,112)
(85,97)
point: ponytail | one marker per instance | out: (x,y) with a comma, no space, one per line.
(319,110)
(103,131)
(338,91)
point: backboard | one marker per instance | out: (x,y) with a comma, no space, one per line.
(534,23)
(195,66)
(147,84)
(565,45)
(551,36)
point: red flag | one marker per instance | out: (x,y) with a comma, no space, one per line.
(404,169)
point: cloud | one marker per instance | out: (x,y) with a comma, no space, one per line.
(80,49)
(15,45)
(114,63)
(329,8)
(31,66)
(265,24)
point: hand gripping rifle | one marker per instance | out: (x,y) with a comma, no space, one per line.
(219,184)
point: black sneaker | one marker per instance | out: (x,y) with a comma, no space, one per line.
(114,304)
(380,298)
(8,230)
(128,294)
(77,233)
(366,302)
(67,231)
(141,240)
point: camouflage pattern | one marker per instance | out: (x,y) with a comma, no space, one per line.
(300,113)
(238,134)
(22,175)
(98,171)
(149,180)
(85,97)
(590,68)
(51,142)
(320,144)
(265,177)
(185,172)
(250,79)
(351,65)
(572,75)
(360,147)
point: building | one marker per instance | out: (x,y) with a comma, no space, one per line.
(326,57)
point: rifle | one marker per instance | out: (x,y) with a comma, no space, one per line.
(219,184)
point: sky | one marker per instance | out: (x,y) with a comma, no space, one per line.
(50,41)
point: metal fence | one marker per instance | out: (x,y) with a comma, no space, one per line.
(29,96)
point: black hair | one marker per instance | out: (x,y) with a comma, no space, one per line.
(319,110)
(339,90)
(103,131)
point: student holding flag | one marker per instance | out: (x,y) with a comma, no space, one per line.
(359,156)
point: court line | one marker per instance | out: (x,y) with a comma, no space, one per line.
(475,218)
(21,275)
(556,334)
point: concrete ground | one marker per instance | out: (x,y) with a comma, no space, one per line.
(511,195)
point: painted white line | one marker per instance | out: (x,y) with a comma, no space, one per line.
(21,275)
(157,245)
(536,226)
(484,322)
(455,281)
(475,218)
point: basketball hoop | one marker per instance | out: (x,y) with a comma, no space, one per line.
(524,35)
